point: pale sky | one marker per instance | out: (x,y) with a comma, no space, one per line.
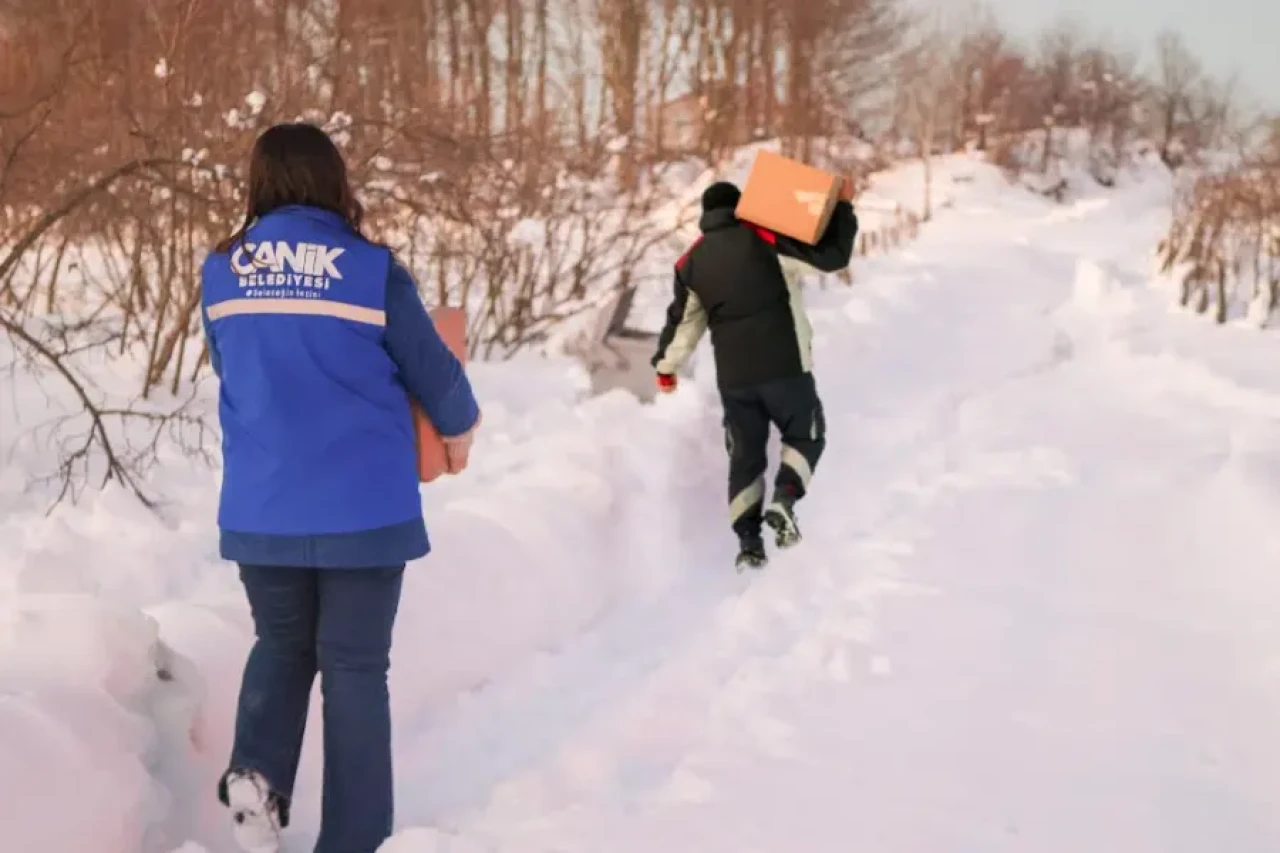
(1228,35)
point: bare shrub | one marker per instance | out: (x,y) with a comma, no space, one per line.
(1224,242)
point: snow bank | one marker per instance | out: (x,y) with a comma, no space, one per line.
(1100,289)
(548,531)
(89,696)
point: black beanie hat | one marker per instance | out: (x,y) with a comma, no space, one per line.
(719,195)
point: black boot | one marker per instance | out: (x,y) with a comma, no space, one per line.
(780,515)
(751,554)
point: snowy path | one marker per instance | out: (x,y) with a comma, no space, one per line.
(1035,609)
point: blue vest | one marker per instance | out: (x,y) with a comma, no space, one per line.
(317,435)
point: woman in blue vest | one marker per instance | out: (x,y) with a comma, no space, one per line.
(319,339)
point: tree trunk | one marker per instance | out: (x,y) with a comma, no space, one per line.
(769,59)
(512,120)
(623,24)
(455,54)
(540,48)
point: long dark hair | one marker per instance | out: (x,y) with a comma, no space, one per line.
(296,164)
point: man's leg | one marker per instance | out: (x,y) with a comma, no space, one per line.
(275,693)
(357,615)
(746,438)
(795,408)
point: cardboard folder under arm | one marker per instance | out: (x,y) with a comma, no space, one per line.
(451,324)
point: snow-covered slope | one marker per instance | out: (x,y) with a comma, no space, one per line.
(1035,609)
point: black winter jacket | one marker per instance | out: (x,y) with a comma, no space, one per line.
(741,282)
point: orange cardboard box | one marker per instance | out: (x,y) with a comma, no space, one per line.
(789,197)
(451,323)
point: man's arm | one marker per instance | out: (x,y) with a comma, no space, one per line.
(428,368)
(686,321)
(834,251)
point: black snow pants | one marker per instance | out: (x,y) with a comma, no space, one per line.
(792,405)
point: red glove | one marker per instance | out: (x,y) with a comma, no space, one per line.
(666,382)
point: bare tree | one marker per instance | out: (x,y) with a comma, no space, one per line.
(1058,84)
(1111,94)
(854,68)
(990,74)
(804,25)
(924,71)
(1178,75)
(95,437)
(623,24)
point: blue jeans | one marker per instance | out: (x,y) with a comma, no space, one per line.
(337,622)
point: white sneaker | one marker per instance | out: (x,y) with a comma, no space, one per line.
(255,812)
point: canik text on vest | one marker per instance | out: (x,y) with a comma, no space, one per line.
(280,269)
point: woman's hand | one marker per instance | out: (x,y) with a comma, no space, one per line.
(457,450)
(456,454)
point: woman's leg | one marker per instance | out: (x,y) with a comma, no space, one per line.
(357,614)
(271,715)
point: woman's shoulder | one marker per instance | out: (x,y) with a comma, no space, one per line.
(213,259)
(400,281)
(397,265)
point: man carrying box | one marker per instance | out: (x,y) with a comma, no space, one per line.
(742,282)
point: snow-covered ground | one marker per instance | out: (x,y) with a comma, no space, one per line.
(1035,609)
